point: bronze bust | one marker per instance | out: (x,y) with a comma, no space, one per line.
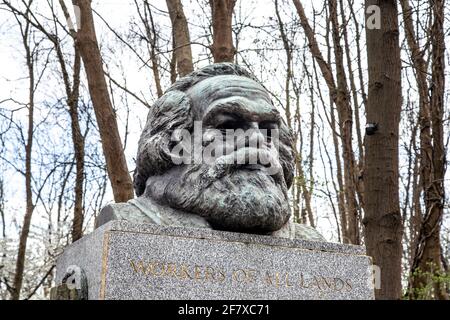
(241,186)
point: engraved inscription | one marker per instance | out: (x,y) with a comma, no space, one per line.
(240,276)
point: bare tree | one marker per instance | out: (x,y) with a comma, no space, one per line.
(112,145)
(25,30)
(427,252)
(222,48)
(78,140)
(382,220)
(72,94)
(151,37)
(181,38)
(339,95)
(345,115)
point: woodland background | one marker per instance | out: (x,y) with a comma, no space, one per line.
(73,103)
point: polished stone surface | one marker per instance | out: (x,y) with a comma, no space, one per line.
(124,260)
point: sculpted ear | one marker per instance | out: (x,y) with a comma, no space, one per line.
(170,112)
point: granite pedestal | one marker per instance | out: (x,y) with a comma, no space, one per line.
(123,260)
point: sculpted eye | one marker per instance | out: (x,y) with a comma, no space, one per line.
(230,124)
(268,125)
(266,128)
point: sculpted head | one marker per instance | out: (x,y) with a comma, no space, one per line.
(235,195)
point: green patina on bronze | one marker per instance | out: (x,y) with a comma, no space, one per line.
(228,197)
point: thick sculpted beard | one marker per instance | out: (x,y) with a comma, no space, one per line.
(229,197)
(246,201)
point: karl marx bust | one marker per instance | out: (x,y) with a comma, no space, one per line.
(221,193)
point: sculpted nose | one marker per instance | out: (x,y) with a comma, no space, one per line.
(253,125)
(256,137)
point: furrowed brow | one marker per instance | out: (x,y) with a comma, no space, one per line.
(247,111)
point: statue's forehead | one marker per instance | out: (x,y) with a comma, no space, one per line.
(210,90)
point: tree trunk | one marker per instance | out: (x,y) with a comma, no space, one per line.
(340,179)
(359,186)
(340,97)
(288,52)
(382,221)
(428,252)
(181,37)
(222,48)
(29,208)
(116,164)
(345,117)
(78,147)
(301,185)
(152,42)
(173,61)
